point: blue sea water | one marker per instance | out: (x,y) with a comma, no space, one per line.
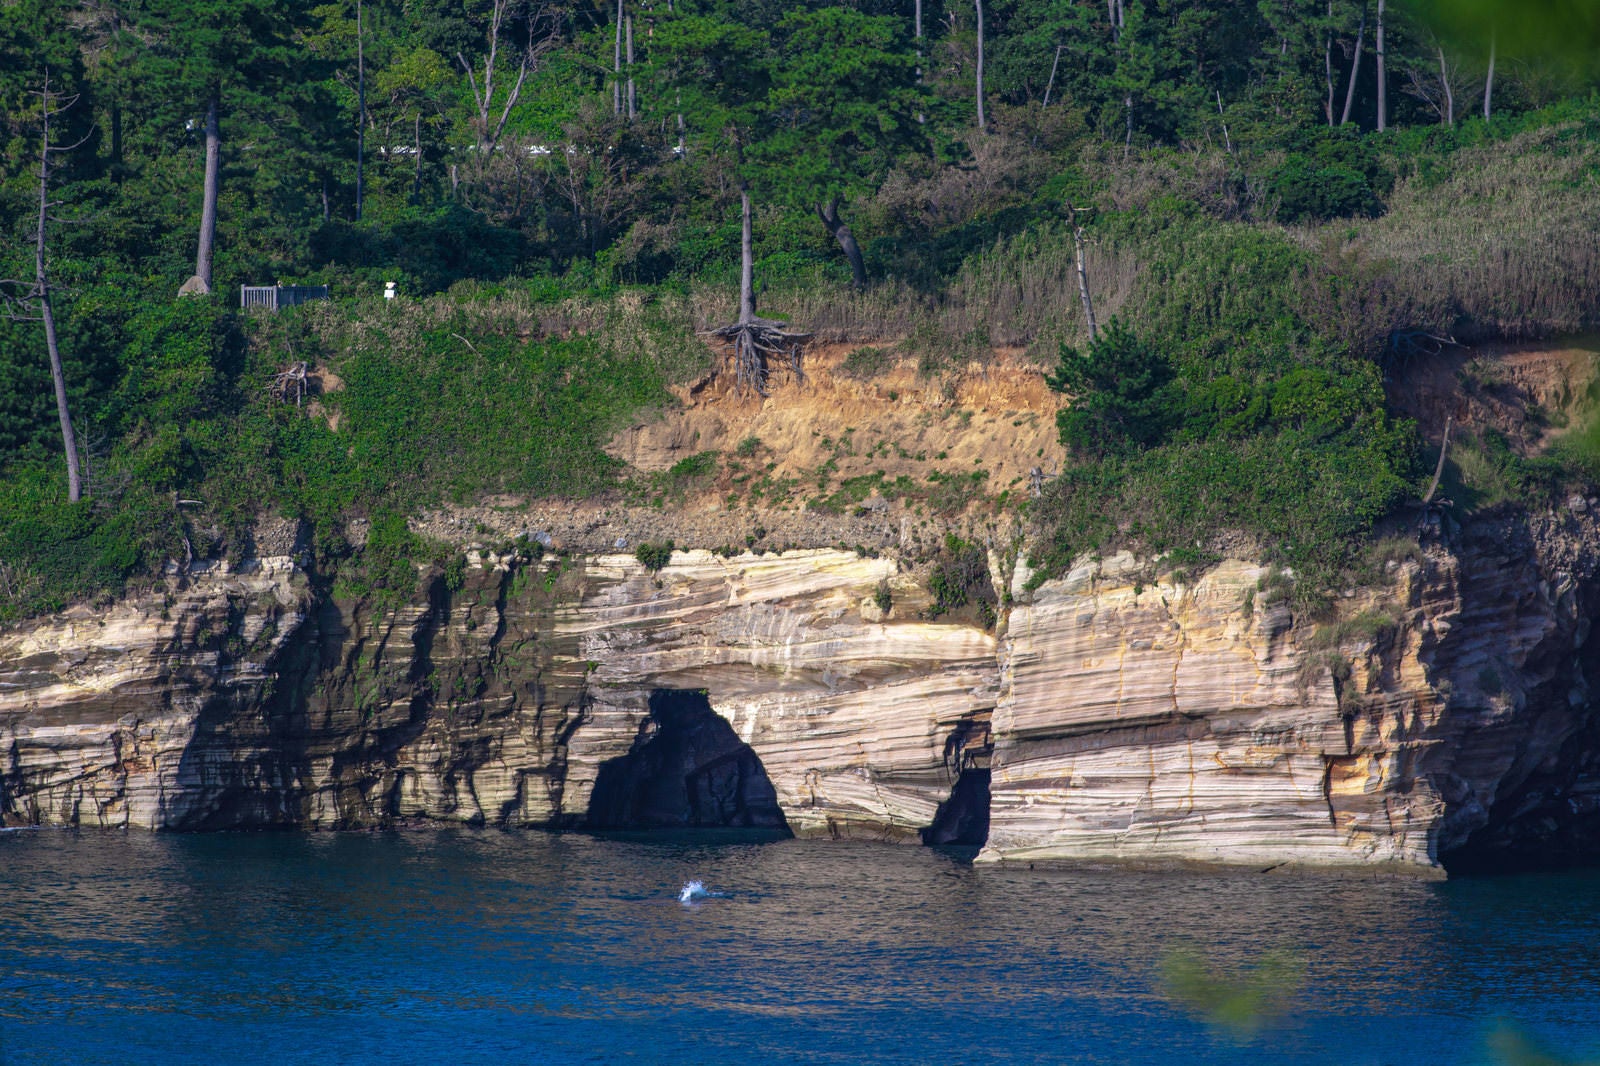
(484,946)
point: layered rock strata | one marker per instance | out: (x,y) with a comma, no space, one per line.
(1441,714)
(1176,720)
(1167,719)
(248,698)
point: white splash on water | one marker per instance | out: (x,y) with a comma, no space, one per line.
(693,891)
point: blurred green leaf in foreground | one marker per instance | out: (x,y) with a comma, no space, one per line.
(1241,1002)
(1563,31)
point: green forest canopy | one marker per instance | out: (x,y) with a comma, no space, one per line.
(561,152)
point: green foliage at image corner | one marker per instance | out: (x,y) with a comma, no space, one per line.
(1238,1003)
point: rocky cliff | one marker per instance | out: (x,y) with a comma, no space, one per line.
(1441,713)
(1438,716)
(250,697)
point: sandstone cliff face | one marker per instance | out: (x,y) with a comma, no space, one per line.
(1160,719)
(236,699)
(1443,712)
(99,709)
(1170,720)
(860,721)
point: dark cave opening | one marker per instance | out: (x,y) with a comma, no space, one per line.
(963,819)
(687,770)
(1547,841)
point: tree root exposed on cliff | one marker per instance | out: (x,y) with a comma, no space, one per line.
(756,344)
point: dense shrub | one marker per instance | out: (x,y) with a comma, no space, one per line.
(866,362)
(960,578)
(1328,174)
(425,250)
(1121,394)
(1302,458)
(654,556)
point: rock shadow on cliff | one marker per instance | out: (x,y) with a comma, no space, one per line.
(686,770)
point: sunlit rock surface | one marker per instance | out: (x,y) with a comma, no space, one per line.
(862,723)
(1162,719)
(246,698)
(1441,712)
(100,707)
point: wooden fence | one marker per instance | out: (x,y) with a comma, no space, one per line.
(273,297)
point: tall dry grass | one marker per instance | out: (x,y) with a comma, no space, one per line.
(1497,241)
(1024,291)
(1021,293)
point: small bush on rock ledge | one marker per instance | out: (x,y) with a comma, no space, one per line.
(654,556)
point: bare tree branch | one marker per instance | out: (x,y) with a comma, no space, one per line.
(542,25)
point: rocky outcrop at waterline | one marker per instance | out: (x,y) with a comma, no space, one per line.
(1171,718)
(1440,715)
(248,697)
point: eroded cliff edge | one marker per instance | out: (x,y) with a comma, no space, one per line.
(250,698)
(1441,714)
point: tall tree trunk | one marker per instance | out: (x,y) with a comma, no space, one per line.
(633,104)
(69,440)
(1355,68)
(361,111)
(1327,66)
(1119,17)
(1449,93)
(616,67)
(916,33)
(747,259)
(829,213)
(1054,63)
(1383,78)
(1083,273)
(982,122)
(916,29)
(416,148)
(756,340)
(208,205)
(1488,80)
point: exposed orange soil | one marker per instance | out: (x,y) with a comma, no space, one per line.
(997,417)
(1529,391)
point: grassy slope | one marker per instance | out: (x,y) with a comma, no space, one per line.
(515,388)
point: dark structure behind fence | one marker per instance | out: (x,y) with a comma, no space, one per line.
(273,297)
